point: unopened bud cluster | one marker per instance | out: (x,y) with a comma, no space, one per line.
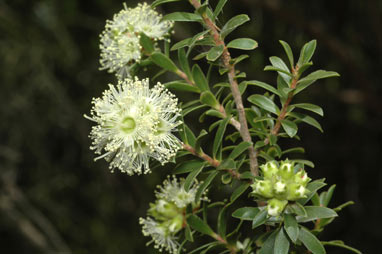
(280,184)
(120,41)
(167,214)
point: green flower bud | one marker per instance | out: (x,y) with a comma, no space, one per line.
(301,177)
(163,210)
(275,206)
(175,224)
(280,187)
(262,188)
(296,191)
(286,170)
(269,169)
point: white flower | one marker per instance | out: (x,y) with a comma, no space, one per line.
(162,237)
(120,47)
(135,123)
(173,191)
(143,19)
(167,214)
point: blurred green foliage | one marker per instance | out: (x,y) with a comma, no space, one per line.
(49,73)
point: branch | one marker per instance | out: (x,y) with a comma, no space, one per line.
(244,132)
(214,163)
(275,130)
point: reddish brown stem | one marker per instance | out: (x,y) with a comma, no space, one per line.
(244,132)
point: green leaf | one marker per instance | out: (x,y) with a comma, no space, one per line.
(159,2)
(243,43)
(298,209)
(188,166)
(238,59)
(311,107)
(294,150)
(260,218)
(311,78)
(304,162)
(307,52)
(243,146)
(199,78)
(183,17)
(291,227)
(199,225)
(263,85)
(264,103)
(232,24)
(191,109)
(313,187)
(319,74)
(209,99)
(183,61)
(303,68)
(269,244)
(181,44)
(326,196)
(288,51)
(188,234)
(317,212)
(338,243)
(340,207)
(277,62)
(289,127)
(196,38)
(179,85)
(191,177)
(307,119)
(199,140)
(281,243)
(280,71)
(226,178)
(146,43)
(219,136)
(246,213)
(208,245)
(222,222)
(227,164)
(163,61)
(311,242)
(213,112)
(219,8)
(215,52)
(205,185)
(239,191)
(189,135)
(247,175)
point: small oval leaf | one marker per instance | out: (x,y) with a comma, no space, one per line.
(243,43)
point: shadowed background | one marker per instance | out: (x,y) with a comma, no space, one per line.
(55,199)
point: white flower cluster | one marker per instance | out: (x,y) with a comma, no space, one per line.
(135,123)
(167,214)
(120,47)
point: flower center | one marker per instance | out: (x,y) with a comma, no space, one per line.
(162,127)
(128,124)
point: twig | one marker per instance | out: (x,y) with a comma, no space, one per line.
(244,132)
(275,130)
(220,239)
(213,162)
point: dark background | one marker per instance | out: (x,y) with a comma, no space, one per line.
(54,197)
